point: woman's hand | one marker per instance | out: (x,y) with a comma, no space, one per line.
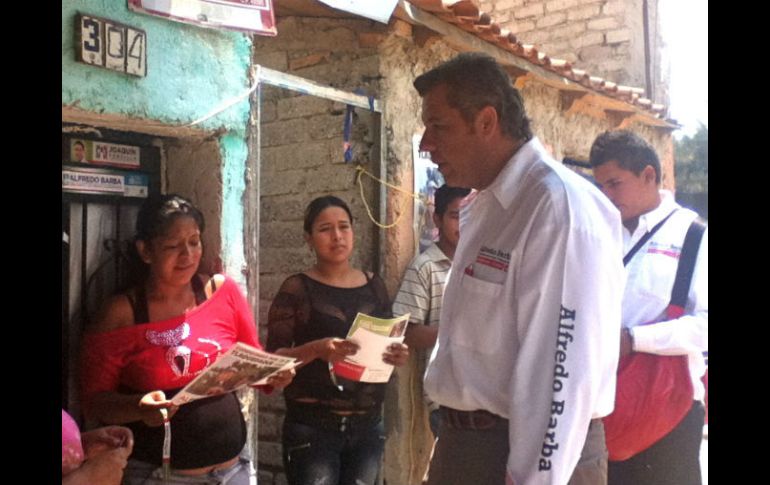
(105,469)
(106,438)
(150,406)
(281,379)
(397,354)
(334,349)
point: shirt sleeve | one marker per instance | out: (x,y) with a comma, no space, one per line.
(414,296)
(687,334)
(569,290)
(284,315)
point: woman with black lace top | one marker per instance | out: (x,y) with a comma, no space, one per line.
(333,432)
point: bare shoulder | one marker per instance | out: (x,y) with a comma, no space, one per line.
(115,313)
(213,283)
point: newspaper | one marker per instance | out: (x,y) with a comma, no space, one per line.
(240,366)
(373,336)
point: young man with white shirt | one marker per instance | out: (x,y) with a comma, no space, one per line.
(627,170)
(530,324)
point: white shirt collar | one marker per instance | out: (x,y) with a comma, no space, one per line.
(508,181)
(649,219)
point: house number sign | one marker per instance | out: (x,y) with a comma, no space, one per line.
(111,45)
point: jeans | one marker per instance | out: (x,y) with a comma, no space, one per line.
(143,473)
(347,453)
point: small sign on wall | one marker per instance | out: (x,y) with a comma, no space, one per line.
(112,45)
(250,16)
(105,182)
(100,153)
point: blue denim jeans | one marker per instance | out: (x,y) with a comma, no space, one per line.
(142,473)
(345,453)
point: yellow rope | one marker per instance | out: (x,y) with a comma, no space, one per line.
(361,171)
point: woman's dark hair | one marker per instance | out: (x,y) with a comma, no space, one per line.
(158,212)
(155,216)
(318,205)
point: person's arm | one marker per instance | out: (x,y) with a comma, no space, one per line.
(103,355)
(106,438)
(112,407)
(283,319)
(569,286)
(420,336)
(688,333)
(414,297)
(106,468)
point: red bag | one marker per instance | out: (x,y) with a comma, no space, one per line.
(653,394)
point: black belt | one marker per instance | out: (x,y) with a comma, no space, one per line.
(478,419)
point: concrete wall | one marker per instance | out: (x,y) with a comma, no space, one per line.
(193,169)
(409,443)
(191,70)
(604,37)
(302,158)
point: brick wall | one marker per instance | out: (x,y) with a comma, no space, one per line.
(302,158)
(604,37)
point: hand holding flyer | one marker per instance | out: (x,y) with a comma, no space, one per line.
(240,366)
(373,337)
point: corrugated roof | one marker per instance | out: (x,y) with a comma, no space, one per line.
(466,15)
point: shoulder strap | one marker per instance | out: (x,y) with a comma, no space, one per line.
(686,265)
(645,238)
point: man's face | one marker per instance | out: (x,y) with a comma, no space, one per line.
(450,140)
(448,223)
(631,193)
(79,152)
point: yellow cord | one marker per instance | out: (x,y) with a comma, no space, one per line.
(361,170)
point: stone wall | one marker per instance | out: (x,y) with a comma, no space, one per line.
(302,158)
(603,37)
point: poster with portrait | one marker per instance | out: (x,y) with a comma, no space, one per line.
(427,179)
(102,153)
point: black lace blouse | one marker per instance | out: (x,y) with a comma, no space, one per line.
(305,310)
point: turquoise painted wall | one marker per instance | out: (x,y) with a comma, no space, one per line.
(190,71)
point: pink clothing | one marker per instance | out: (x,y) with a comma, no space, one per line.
(72,455)
(167,354)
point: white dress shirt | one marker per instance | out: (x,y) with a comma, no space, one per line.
(530,325)
(651,274)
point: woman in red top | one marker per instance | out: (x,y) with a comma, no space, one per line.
(150,341)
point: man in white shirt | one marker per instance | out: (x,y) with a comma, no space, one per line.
(628,171)
(528,342)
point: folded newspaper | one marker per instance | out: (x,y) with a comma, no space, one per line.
(373,336)
(240,366)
